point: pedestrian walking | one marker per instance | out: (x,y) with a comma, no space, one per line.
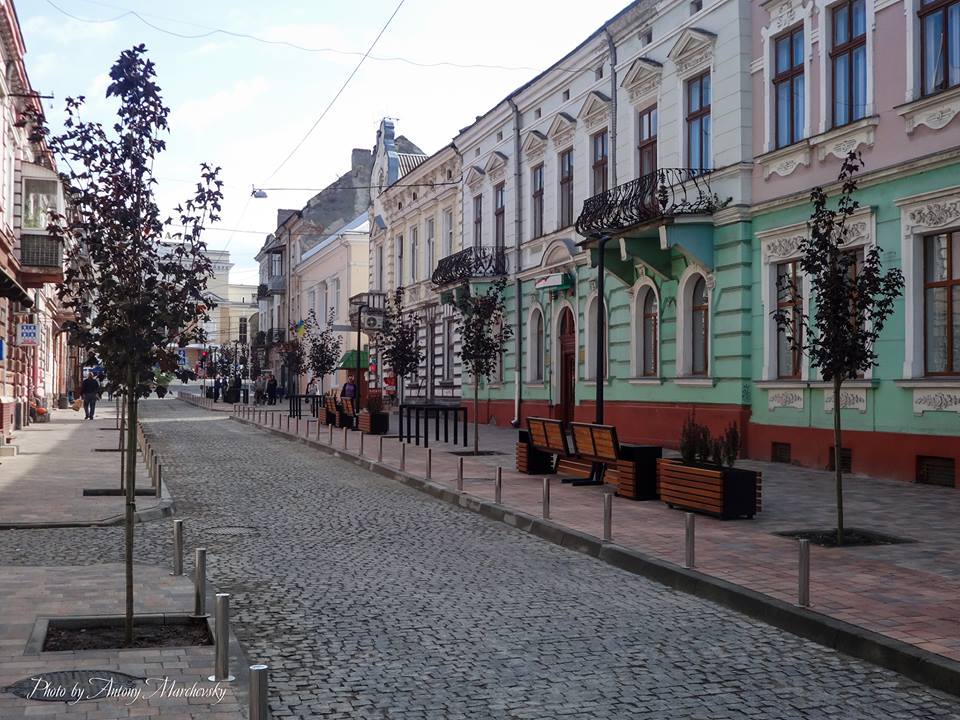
(272,390)
(349,390)
(90,389)
(217,385)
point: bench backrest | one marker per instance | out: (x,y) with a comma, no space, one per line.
(348,406)
(330,402)
(548,435)
(595,442)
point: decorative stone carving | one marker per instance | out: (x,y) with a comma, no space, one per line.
(595,110)
(782,247)
(784,163)
(692,51)
(850,399)
(710,281)
(475,176)
(936,400)
(935,112)
(534,145)
(642,80)
(783,16)
(561,129)
(496,166)
(935,214)
(784,399)
(840,143)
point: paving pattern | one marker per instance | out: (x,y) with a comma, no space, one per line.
(371,600)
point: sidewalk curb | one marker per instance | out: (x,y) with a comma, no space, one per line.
(165,508)
(920,665)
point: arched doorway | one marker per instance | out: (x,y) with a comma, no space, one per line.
(568,364)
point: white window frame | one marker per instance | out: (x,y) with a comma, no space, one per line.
(643,286)
(791,15)
(590,340)
(414,232)
(684,339)
(430,260)
(536,374)
(825,39)
(447,231)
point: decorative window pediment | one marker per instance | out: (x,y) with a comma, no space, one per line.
(475,176)
(562,128)
(496,166)
(595,110)
(534,144)
(693,50)
(784,243)
(642,79)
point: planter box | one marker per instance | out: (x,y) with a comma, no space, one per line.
(719,491)
(374,423)
(635,474)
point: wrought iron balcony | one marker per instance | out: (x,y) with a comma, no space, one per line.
(473,262)
(276,285)
(41,251)
(275,336)
(665,193)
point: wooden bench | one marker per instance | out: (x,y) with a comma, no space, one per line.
(598,446)
(722,492)
(348,414)
(331,412)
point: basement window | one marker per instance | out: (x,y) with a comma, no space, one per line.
(846,460)
(936,471)
(780,452)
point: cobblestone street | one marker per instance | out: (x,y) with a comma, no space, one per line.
(371,600)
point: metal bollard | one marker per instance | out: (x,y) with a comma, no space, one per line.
(221,667)
(803,599)
(318,429)
(403,457)
(298,427)
(498,486)
(380,450)
(546,498)
(178,547)
(330,441)
(259,684)
(429,463)
(460,475)
(607,517)
(200,584)
(361,443)
(288,423)
(689,539)
(159,480)
(345,430)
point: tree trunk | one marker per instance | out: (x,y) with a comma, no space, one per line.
(476,416)
(836,457)
(131,505)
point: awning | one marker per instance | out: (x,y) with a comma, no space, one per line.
(349,360)
(10,288)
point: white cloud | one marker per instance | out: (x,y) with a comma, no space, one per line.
(219,108)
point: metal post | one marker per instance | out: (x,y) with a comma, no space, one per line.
(804,590)
(380,450)
(429,463)
(200,584)
(178,547)
(259,684)
(318,428)
(403,457)
(361,443)
(546,498)
(607,517)
(298,427)
(459,474)
(345,438)
(689,538)
(330,441)
(159,480)
(221,667)
(498,486)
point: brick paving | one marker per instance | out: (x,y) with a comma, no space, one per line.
(57,460)
(372,600)
(906,591)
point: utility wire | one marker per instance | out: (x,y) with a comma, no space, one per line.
(210,31)
(339,92)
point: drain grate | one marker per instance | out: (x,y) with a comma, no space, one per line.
(74,685)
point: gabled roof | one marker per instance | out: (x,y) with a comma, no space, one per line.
(408,162)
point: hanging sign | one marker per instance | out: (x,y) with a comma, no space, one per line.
(556,281)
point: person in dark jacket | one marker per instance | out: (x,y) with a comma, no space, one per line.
(272,390)
(217,384)
(349,389)
(90,389)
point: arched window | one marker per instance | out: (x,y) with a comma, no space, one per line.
(699,327)
(648,329)
(536,343)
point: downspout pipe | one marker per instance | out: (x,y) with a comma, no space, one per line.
(612,53)
(518,285)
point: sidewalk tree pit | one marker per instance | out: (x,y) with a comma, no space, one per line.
(135,280)
(851,299)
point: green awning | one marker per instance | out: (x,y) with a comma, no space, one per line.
(349,361)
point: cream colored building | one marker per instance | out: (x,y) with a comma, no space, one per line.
(326,273)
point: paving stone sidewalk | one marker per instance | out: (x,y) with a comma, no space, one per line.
(31,592)
(907,591)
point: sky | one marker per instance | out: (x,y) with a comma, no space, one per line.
(245,104)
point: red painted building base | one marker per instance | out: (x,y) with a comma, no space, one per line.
(878,454)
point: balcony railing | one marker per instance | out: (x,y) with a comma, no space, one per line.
(274,336)
(41,251)
(473,262)
(664,193)
(276,285)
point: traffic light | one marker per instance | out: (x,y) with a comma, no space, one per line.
(203,358)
